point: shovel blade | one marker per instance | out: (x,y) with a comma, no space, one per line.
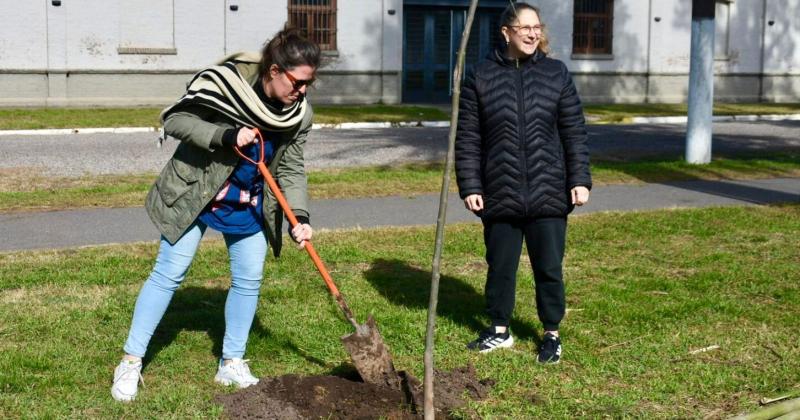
(370,355)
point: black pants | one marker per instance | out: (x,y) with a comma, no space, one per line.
(545,239)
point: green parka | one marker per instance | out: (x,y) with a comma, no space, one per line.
(201,165)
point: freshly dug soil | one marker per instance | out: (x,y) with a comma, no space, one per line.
(312,397)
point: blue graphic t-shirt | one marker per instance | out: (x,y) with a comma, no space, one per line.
(237,206)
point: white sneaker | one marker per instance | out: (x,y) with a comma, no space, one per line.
(126,380)
(235,373)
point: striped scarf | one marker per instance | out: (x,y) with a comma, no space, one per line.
(228,89)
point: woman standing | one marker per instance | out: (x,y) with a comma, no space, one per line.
(206,184)
(522,164)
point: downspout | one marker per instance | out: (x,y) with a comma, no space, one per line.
(761,97)
(383,47)
(224,26)
(649,45)
(47,40)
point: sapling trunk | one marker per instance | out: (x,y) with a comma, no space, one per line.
(440,221)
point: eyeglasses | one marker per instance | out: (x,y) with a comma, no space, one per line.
(526,30)
(297,84)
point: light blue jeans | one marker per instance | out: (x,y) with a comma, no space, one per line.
(247,253)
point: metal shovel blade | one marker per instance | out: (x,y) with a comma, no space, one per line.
(371,356)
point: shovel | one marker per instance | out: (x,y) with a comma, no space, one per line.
(369,353)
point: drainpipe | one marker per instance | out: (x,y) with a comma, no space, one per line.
(383,48)
(761,97)
(649,46)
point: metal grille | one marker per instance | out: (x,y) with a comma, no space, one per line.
(592,27)
(317,20)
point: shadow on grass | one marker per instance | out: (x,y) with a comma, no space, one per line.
(734,191)
(203,309)
(408,286)
(196,309)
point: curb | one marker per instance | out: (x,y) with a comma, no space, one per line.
(62,131)
(357,125)
(368,125)
(716,118)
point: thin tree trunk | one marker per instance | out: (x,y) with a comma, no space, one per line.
(440,222)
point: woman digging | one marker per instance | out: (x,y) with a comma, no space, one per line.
(206,184)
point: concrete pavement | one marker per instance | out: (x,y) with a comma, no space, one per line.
(60,229)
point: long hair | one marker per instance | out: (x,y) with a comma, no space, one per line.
(510,16)
(289,49)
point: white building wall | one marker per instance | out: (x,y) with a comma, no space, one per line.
(358,37)
(744,38)
(23,35)
(142,52)
(392,47)
(117,52)
(670,36)
(392,35)
(368,60)
(782,51)
(629,37)
(651,49)
(249,27)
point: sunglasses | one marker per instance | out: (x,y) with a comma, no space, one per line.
(297,84)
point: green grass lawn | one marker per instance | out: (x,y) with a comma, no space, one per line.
(423,178)
(36,118)
(336,114)
(644,290)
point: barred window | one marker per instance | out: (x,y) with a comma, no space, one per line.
(317,20)
(592,26)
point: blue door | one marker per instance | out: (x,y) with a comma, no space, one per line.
(431,37)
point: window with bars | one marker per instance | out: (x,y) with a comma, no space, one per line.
(592,27)
(317,20)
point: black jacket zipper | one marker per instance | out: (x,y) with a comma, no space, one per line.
(522,136)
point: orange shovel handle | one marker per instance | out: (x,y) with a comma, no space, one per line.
(273,186)
(276,191)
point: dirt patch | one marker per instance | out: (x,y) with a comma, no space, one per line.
(312,397)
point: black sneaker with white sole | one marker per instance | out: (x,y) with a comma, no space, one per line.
(550,349)
(490,340)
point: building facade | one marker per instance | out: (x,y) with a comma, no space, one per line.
(142,52)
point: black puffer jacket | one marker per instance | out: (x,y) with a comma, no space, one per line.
(521,140)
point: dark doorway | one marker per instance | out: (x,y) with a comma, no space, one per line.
(431,36)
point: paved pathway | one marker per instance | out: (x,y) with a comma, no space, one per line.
(102,226)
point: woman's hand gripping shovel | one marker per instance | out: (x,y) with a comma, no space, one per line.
(366,346)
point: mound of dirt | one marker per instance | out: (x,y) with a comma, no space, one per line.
(312,397)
